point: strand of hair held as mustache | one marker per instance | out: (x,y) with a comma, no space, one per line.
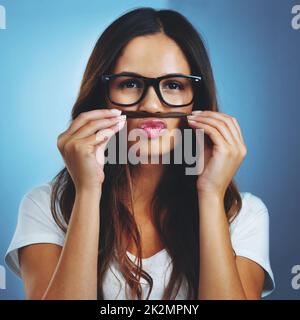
(143,114)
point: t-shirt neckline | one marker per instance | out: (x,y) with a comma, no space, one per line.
(148,258)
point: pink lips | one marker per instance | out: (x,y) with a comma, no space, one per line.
(153,128)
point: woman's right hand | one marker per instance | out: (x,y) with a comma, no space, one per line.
(82,147)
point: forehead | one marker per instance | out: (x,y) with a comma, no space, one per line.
(152,56)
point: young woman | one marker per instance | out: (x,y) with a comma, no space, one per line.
(144,231)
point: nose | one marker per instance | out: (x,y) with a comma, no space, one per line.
(151,102)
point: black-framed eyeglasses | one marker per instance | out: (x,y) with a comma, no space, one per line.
(128,88)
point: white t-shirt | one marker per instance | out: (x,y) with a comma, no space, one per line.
(249,236)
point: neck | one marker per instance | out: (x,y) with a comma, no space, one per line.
(145,181)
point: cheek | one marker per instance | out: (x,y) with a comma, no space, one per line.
(131,124)
(132,132)
(173,124)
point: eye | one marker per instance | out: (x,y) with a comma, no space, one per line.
(173,85)
(130,84)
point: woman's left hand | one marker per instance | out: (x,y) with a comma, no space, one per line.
(226,154)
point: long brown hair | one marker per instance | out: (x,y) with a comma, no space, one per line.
(174,205)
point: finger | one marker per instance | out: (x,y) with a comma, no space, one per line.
(233,120)
(238,128)
(230,121)
(217,124)
(82,119)
(97,138)
(87,116)
(108,133)
(105,134)
(212,132)
(226,120)
(96,125)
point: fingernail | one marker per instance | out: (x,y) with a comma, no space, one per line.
(196,111)
(116,111)
(195,117)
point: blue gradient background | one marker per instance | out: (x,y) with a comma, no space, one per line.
(255,57)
